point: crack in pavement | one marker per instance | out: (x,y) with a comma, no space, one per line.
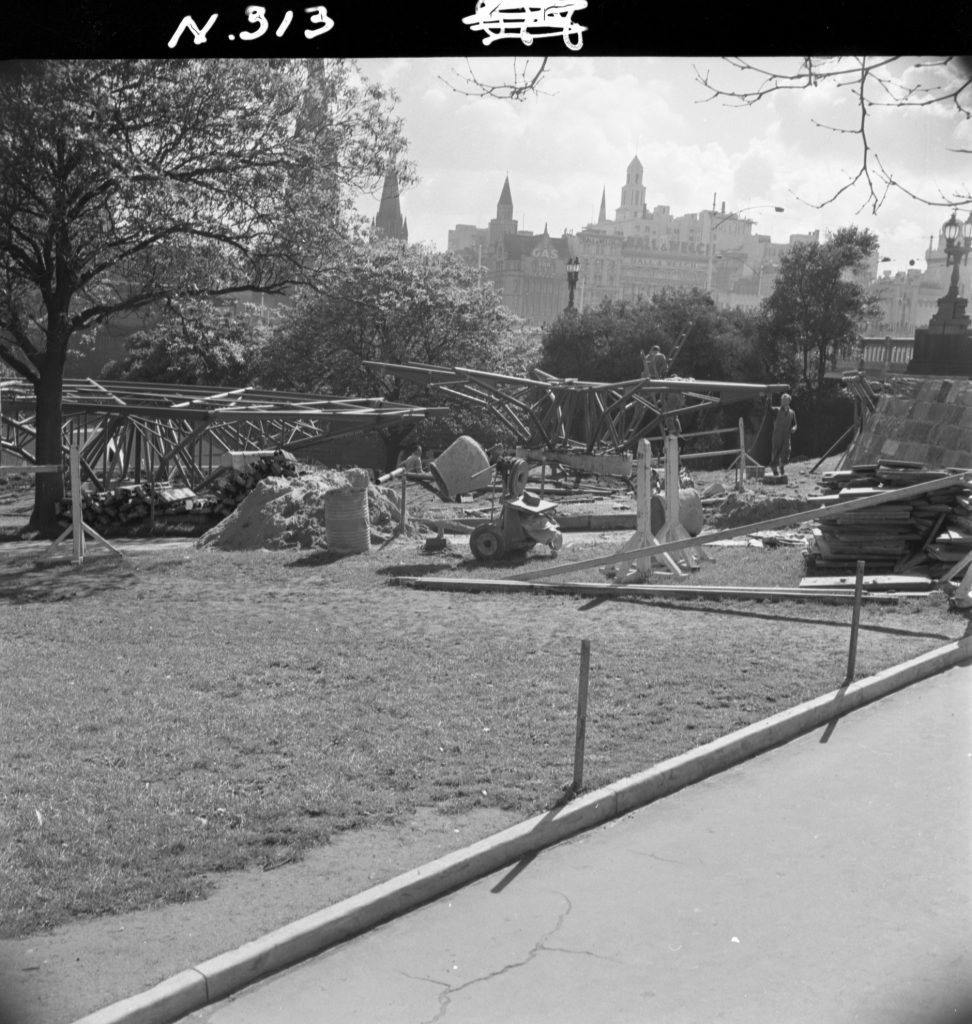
(445,998)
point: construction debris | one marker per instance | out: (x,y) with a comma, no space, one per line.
(921,534)
(130,503)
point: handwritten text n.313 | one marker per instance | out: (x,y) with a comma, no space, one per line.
(316,18)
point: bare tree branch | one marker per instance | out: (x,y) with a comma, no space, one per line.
(524,83)
(875,84)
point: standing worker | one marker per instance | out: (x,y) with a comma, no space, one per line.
(413,464)
(655,364)
(783,428)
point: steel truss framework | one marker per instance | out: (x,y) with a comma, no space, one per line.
(567,415)
(135,431)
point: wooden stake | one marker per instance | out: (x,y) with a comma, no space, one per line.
(77,514)
(582,686)
(403,523)
(643,496)
(78,527)
(855,622)
(151,473)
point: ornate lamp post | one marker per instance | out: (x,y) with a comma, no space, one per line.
(944,347)
(573,272)
(958,244)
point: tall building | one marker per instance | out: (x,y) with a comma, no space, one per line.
(528,271)
(389,222)
(643,251)
(637,253)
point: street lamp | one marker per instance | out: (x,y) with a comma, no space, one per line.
(718,224)
(956,251)
(573,272)
(950,316)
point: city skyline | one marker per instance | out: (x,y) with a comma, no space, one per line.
(566,145)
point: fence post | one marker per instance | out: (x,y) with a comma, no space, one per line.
(585,667)
(77,515)
(855,622)
(741,470)
(404,520)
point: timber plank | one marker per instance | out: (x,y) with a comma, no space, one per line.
(838,595)
(874,582)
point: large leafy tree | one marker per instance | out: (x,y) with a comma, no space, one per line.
(819,303)
(395,303)
(605,342)
(195,342)
(124,183)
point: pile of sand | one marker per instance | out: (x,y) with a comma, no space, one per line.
(287,512)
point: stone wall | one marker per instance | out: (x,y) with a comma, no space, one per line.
(932,426)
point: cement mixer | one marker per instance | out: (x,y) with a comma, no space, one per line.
(525,519)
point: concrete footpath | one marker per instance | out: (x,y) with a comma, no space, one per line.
(829,879)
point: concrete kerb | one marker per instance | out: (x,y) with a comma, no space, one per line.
(227,973)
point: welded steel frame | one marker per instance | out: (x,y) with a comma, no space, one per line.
(133,431)
(543,411)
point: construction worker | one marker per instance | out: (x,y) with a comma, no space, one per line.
(784,427)
(413,464)
(655,364)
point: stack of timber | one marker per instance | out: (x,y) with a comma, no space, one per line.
(924,534)
(130,503)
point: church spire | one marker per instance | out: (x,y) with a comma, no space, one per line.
(602,213)
(389,222)
(504,208)
(503,224)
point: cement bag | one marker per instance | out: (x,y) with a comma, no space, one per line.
(346,522)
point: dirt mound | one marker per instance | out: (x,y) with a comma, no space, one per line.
(742,509)
(289,513)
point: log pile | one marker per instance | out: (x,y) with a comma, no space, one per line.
(924,534)
(235,484)
(130,503)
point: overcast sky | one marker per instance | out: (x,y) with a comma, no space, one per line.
(562,147)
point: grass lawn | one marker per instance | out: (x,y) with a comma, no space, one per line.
(192,711)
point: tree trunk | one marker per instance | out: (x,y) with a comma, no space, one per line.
(48,487)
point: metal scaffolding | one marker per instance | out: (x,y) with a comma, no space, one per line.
(556,414)
(135,431)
